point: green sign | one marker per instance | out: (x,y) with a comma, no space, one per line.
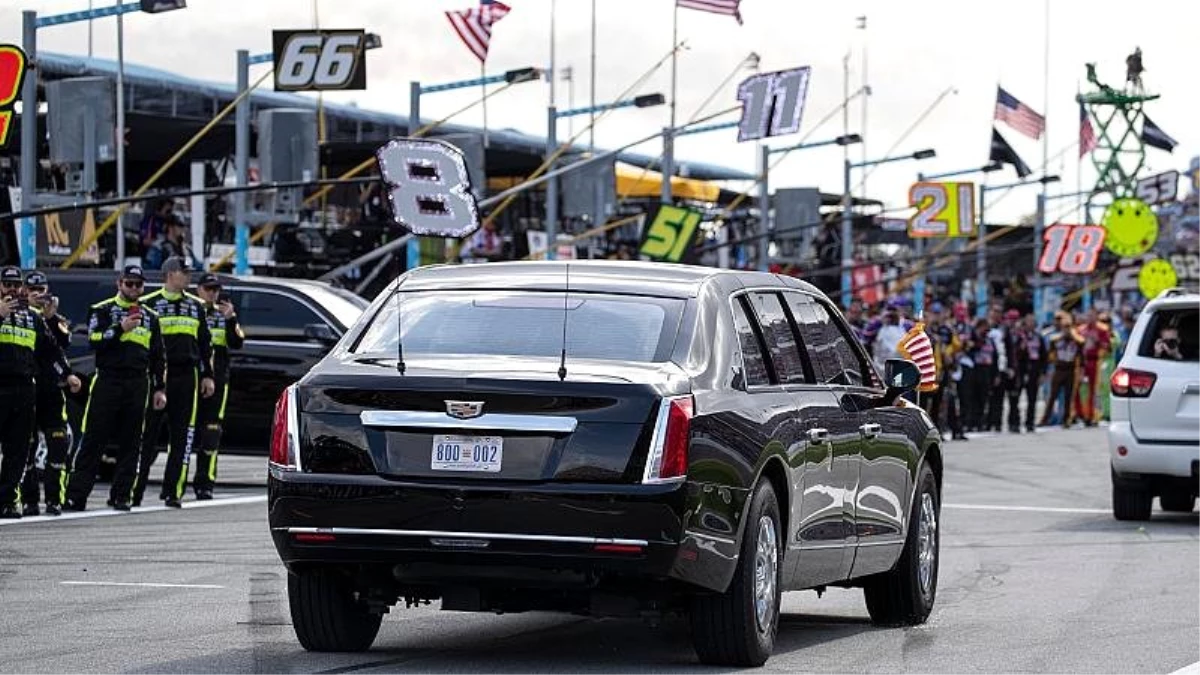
(670,234)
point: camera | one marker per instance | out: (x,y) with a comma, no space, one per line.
(1171,343)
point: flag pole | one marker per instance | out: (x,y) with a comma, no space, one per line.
(592,83)
(1046,95)
(483,91)
(674,59)
(553,72)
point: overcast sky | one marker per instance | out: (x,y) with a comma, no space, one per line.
(916,49)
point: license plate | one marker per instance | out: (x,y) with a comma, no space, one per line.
(467,453)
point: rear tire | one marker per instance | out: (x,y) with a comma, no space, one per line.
(1131,503)
(1177,502)
(326,615)
(738,627)
(905,595)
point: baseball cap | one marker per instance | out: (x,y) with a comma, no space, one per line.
(1012,314)
(10,273)
(133,272)
(36,278)
(174,264)
(209,279)
(936,308)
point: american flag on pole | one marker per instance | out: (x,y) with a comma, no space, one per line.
(728,7)
(474,26)
(1087,135)
(916,347)
(1018,115)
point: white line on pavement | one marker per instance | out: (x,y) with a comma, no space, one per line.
(100,513)
(138,584)
(1032,509)
(1188,670)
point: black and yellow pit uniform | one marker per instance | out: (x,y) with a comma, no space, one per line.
(226,335)
(26,346)
(50,410)
(129,368)
(187,347)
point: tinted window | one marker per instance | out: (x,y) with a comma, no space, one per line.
(522,323)
(752,357)
(781,342)
(1185,322)
(270,316)
(833,359)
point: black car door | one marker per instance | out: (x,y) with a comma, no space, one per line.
(276,353)
(830,468)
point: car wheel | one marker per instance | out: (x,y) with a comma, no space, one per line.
(1177,502)
(326,615)
(905,595)
(738,627)
(1131,503)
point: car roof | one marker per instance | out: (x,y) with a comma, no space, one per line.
(1171,299)
(616,276)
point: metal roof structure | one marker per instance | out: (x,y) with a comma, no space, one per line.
(162,93)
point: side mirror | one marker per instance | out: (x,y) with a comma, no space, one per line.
(320,332)
(899,376)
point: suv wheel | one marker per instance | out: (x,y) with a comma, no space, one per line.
(326,615)
(905,595)
(738,627)
(1177,501)
(1130,502)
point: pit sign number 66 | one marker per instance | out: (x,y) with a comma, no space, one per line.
(310,60)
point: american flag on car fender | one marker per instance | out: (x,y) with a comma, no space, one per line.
(916,347)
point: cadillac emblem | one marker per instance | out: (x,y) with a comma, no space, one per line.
(464,410)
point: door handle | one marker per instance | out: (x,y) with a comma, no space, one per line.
(818,436)
(870,430)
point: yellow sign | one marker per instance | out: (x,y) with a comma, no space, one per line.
(1156,276)
(1132,227)
(943,210)
(670,234)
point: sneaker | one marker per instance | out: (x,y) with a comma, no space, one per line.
(72,506)
(203,495)
(173,503)
(110,502)
(31,510)
(8,511)
(121,506)
(53,510)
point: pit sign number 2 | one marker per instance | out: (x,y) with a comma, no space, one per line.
(12,76)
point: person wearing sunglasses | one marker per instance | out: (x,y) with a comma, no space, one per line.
(26,347)
(50,409)
(130,371)
(226,334)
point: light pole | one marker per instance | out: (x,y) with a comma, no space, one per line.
(981,273)
(847,218)
(552,117)
(919,242)
(764,188)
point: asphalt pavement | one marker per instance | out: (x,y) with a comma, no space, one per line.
(1036,576)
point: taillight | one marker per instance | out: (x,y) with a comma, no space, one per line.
(283,431)
(1132,383)
(668,458)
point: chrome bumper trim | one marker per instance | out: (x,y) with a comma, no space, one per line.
(441,534)
(399,419)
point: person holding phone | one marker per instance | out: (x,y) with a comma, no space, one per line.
(226,334)
(130,371)
(1167,344)
(50,408)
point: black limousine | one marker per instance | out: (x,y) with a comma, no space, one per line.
(607,439)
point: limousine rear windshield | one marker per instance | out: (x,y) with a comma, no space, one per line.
(526,323)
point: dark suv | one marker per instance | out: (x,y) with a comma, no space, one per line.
(290,325)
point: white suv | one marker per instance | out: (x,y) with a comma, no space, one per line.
(1154,438)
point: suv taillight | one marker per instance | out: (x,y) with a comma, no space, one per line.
(668,458)
(1132,383)
(283,431)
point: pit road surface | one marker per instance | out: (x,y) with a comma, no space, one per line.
(1036,576)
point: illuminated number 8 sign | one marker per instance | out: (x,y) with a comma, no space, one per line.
(12,75)
(1072,249)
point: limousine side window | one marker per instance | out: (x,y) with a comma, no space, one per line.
(781,341)
(273,316)
(833,359)
(754,365)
